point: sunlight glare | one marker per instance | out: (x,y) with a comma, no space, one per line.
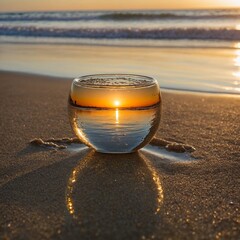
(236,74)
(237,45)
(237,27)
(237,58)
(116,103)
(117,116)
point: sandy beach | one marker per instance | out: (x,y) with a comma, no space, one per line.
(49,194)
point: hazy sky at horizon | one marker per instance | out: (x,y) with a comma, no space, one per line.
(51,5)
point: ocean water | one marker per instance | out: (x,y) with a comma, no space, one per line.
(146,25)
(189,31)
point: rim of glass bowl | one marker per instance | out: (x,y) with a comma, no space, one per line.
(140,80)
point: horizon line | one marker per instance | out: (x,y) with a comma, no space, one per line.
(124,9)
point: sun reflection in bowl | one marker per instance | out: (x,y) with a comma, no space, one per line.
(117,103)
(115,113)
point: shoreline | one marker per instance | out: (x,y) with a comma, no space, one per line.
(83,194)
(163,89)
(163,43)
(195,69)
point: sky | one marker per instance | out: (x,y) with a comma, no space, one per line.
(51,5)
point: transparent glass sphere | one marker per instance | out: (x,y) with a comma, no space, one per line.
(115,113)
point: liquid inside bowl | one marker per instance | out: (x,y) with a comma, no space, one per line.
(115,130)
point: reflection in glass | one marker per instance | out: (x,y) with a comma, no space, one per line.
(117,116)
(115,113)
(113,129)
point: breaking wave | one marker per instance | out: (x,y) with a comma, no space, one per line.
(123,33)
(120,16)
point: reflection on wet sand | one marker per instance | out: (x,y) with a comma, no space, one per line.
(124,190)
(157,181)
(72,181)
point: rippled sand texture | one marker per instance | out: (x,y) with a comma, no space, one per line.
(48,194)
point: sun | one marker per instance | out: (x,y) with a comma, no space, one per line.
(116,103)
(230,3)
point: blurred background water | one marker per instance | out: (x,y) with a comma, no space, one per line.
(196,50)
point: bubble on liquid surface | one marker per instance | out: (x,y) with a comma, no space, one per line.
(114,81)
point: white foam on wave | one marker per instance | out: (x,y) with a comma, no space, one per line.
(121,15)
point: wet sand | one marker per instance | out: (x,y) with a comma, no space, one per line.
(49,194)
(214,69)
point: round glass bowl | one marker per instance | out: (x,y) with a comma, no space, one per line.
(115,113)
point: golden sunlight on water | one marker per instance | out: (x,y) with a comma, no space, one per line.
(117,116)
(237,59)
(237,45)
(238,27)
(236,73)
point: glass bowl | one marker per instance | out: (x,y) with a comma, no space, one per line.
(115,113)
